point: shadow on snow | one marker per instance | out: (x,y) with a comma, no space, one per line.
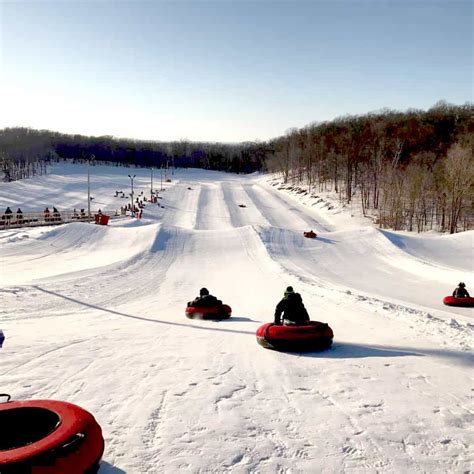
(349,350)
(326,240)
(106,468)
(139,318)
(239,319)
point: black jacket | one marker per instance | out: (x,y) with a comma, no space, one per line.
(292,308)
(205,301)
(460,292)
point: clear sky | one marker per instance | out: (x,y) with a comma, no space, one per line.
(226,70)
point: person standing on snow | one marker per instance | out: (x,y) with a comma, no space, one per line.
(460,291)
(56,215)
(290,311)
(8,214)
(19,216)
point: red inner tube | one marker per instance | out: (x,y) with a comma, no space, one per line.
(313,336)
(58,436)
(209,312)
(463,302)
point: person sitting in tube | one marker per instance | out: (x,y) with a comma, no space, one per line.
(460,291)
(290,311)
(205,299)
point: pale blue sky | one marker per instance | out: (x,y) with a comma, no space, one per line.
(226,70)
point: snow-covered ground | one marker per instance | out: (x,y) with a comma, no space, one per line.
(95,315)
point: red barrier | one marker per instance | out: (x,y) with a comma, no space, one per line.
(101,219)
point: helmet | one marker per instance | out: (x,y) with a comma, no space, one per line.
(288,290)
(203,291)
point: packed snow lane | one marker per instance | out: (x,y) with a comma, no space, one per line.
(212,212)
(236,196)
(282,213)
(366,261)
(98,320)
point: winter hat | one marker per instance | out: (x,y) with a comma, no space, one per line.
(462,284)
(288,290)
(203,291)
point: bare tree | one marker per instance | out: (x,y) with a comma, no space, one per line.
(459,181)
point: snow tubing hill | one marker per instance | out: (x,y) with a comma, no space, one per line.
(48,437)
(314,336)
(464,302)
(208,312)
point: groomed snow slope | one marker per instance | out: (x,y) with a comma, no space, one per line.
(95,315)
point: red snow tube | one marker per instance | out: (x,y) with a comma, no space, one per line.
(310,234)
(48,437)
(463,302)
(314,336)
(209,312)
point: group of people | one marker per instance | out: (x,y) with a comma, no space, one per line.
(53,215)
(76,215)
(7,216)
(290,310)
(140,202)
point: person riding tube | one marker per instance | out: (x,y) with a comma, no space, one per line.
(290,311)
(205,300)
(460,291)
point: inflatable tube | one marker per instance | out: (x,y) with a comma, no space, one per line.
(48,437)
(209,312)
(463,302)
(314,336)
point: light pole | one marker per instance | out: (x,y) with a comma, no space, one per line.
(91,158)
(151,186)
(131,208)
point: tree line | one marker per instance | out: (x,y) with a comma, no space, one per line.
(413,169)
(24,148)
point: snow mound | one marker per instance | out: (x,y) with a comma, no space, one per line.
(69,248)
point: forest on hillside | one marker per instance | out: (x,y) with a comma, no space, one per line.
(413,169)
